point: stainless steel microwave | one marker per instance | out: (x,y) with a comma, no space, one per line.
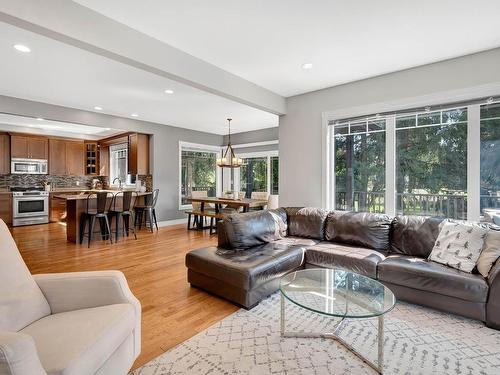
(28,166)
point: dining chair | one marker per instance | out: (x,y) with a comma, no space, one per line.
(147,210)
(98,211)
(272,202)
(124,210)
(196,206)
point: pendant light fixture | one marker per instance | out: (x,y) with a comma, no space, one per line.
(229,159)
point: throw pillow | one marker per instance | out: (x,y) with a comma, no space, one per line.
(459,245)
(490,253)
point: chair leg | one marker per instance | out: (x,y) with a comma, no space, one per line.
(108,228)
(91,228)
(83,224)
(125,224)
(150,218)
(117,226)
(133,227)
(154,217)
(189,222)
(211,225)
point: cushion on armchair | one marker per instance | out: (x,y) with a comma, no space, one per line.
(21,300)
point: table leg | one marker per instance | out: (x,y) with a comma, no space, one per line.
(282,320)
(201,219)
(380,343)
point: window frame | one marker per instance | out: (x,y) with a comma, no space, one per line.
(260,154)
(189,146)
(473,105)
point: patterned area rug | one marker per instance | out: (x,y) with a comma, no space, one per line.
(417,341)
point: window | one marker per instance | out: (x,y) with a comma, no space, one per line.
(441,161)
(360,165)
(431,163)
(198,171)
(490,161)
(259,173)
(118,164)
(275,175)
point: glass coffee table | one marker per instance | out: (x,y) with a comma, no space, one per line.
(339,294)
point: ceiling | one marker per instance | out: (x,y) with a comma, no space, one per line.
(57,73)
(23,124)
(266,42)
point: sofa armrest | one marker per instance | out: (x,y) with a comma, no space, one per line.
(493,305)
(83,290)
(18,355)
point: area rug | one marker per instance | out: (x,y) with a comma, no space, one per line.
(417,340)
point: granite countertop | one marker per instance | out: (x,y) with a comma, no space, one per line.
(85,193)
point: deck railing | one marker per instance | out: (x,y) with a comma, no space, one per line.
(448,205)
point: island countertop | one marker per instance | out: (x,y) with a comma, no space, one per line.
(83,195)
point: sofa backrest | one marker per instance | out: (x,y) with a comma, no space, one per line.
(414,235)
(244,230)
(308,222)
(359,228)
(21,300)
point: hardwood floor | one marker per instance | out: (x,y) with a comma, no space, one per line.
(172,311)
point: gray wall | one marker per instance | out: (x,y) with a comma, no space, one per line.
(164,144)
(300,130)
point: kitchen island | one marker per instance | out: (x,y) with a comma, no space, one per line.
(76,204)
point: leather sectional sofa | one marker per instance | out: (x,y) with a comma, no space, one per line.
(256,249)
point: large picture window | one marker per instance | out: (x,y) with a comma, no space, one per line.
(441,161)
(490,162)
(198,171)
(360,165)
(431,163)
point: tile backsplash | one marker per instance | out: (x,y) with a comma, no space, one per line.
(83,182)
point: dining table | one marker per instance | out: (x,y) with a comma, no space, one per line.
(244,203)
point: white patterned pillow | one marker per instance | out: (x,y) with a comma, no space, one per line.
(459,245)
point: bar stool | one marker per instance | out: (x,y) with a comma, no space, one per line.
(100,211)
(125,212)
(148,209)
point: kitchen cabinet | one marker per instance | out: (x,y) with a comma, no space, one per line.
(57,157)
(91,158)
(138,154)
(74,158)
(29,147)
(6,207)
(103,160)
(66,157)
(4,154)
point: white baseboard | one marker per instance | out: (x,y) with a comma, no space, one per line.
(168,223)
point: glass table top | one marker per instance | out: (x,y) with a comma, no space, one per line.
(337,292)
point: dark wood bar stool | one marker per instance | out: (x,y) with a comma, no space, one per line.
(147,211)
(123,211)
(100,211)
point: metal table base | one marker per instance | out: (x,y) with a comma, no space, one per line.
(333,335)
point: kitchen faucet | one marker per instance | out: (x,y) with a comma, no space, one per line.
(119,182)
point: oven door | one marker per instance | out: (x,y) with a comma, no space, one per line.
(30,206)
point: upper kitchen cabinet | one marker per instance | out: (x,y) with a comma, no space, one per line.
(138,154)
(29,147)
(4,154)
(75,158)
(66,157)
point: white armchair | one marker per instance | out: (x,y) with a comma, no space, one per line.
(70,323)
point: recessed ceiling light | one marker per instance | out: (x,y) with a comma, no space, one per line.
(97,108)
(40,118)
(169,91)
(107,128)
(22,48)
(307,66)
(134,115)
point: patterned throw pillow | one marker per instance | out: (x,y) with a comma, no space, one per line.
(459,245)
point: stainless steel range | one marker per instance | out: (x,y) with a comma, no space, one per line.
(30,205)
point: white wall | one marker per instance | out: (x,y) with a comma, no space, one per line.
(300,130)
